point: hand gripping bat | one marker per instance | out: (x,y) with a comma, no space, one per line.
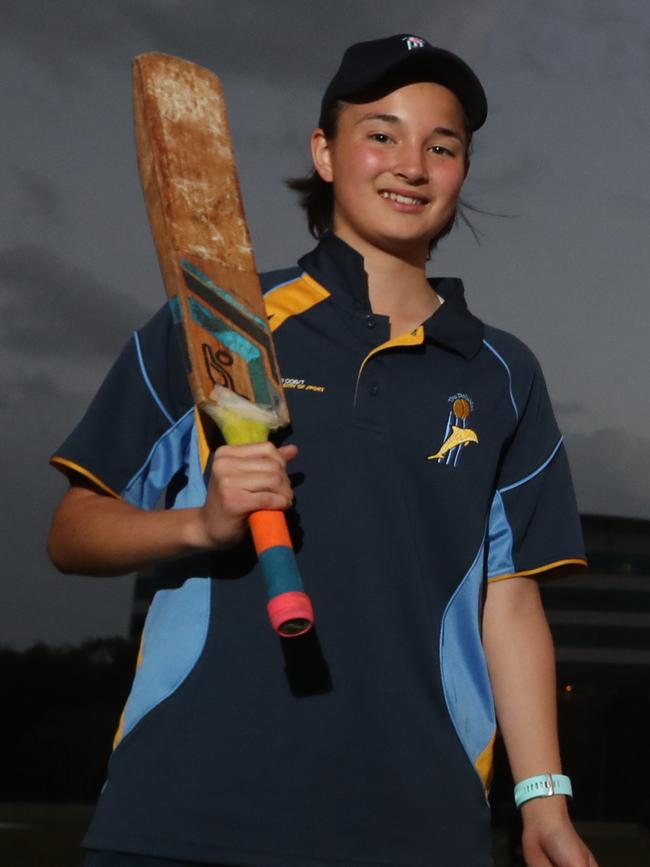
(190,184)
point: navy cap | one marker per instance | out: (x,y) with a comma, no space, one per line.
(371,69)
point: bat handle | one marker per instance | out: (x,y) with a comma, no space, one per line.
(290,609)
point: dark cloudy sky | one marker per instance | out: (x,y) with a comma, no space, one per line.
(564,155)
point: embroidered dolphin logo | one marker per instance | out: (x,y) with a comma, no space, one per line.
(460,436)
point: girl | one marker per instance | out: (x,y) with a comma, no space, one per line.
(430,489)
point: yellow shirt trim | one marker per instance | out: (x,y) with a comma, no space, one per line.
(60,463)
(524,572)
(484,764)
(411,338)
(204,448)
(120,728)
(293,299)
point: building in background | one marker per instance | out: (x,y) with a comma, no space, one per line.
(602,618)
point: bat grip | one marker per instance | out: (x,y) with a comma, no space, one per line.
(290,609)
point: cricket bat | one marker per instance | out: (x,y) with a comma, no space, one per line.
(190,185)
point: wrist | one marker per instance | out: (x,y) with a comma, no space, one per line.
(195,533)
(543,810)
(543,788)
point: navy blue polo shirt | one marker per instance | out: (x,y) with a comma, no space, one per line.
(429,464)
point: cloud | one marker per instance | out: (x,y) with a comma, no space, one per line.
(611,470)
(55,310)
(567,411)
(574,41)
(79,32)
(38,193)
(290,41)
(36,603)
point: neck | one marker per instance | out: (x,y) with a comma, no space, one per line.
(397,286)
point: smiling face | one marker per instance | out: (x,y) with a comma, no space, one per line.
(397,165)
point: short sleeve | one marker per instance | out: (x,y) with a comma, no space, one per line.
(140,404)
(534,525)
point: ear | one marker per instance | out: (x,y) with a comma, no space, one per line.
(321,155)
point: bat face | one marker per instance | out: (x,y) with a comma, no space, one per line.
(190,183)
(225,343)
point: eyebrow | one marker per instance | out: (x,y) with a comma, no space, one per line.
(393,119)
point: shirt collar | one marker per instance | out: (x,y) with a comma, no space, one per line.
(340,269)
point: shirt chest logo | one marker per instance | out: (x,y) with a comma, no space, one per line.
(458,434)
(301,385)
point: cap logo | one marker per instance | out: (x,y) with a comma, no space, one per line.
(457,435)
(413,42)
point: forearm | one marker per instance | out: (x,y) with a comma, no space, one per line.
(93,534)
(521,661)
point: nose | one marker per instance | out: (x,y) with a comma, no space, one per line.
(411,164)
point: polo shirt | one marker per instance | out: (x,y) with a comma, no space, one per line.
(429,464)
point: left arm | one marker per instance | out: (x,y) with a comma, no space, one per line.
(521,663)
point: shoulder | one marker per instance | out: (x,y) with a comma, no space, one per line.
(160,360)
(510,350)
(512,353)
(518,363)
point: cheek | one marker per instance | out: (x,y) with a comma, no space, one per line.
(450,180)
(360,163)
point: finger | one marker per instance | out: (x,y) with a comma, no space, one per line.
(243,466)
(534,855)
(288,452)
(568,857)
(236,457)
(232,488)
(254,502)
(592,860)
(538,859)
(254,483)
(249,450)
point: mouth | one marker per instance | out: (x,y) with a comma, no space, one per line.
(402,199)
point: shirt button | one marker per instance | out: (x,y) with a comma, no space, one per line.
(373,389)
(370,322)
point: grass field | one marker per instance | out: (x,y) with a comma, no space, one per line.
(48,835)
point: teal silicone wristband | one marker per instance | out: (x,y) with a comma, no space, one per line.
(543,786)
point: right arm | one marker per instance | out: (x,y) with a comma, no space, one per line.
(93,533)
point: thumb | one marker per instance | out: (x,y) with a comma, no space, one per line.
(288,452)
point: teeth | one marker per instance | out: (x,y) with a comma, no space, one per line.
(404,200)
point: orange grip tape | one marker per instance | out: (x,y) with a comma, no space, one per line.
(269,528)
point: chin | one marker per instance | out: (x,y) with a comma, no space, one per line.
(406,247)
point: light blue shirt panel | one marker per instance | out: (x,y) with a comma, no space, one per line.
(465,679)
(500,540)
(169,454)
(177,623)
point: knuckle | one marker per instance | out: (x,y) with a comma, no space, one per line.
(273,501)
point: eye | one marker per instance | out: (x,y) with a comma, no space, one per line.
(441,150)
(380,137)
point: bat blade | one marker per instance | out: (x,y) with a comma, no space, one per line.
(190,183)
